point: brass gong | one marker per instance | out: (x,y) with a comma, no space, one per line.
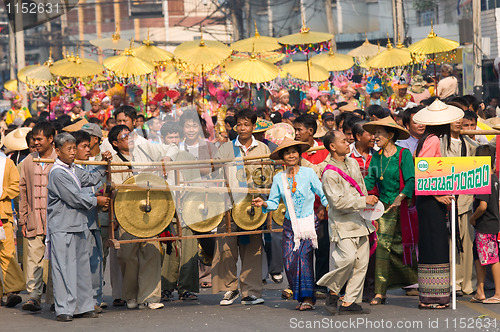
(278,170)
(241,175)
(262,176)
(202,212)
(279,214)
(142,212)
(246,216)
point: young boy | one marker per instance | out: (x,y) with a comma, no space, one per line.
(350,249)
(486,223)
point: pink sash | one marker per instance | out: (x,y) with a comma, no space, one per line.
(373,235)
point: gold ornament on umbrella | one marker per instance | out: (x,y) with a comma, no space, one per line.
(366,50)
(114,43)
(391,57)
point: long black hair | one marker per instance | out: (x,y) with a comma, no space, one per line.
(439,131)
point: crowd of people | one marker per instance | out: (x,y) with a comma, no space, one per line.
(364,144)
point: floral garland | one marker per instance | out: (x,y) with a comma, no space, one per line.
(308,48)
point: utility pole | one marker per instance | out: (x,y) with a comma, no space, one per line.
(400,21)
(394,22)
(98,27)
(330,24)
(248,19)
(476,26)
(12,51)
(21,62)
(81,31)
(166,22)
(270,18)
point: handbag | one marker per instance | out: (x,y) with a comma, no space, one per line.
(409,221)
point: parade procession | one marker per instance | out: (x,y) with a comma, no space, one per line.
(311,169)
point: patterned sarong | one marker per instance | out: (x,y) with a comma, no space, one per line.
(434,283)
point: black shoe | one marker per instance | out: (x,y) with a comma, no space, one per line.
(32,305)
(229,297)
(64,318)
(13,300)
(331,302)
(252,299)
(353,309)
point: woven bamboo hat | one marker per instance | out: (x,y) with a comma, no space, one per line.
(438,113)
(75,126)
(287,142)
(387,122)
(16,139)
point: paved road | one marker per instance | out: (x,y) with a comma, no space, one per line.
(399,314)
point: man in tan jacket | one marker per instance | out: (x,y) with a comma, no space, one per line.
(33,212)
(350,248)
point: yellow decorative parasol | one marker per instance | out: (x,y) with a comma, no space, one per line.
(168,77)
(152,53)
(366,50)
(305,37)
(128,65)
(333,62)
(21,75)
(10,85)
(391,57)
(114,43)
(306,71)
(256,44)
(433,44)
(76,67)
(202,53)
(268,56)
(252,70)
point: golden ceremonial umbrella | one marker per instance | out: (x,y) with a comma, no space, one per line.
(152,53)
(252,70)
(268,56)
(333,61)
(366,50)
(168,77)
(305,37)
(202,53)
(10,85)
(76,67)
(114,43)
(307,71)
(256,44)
(433,44)
(21,75)
(391,57)
(128,65)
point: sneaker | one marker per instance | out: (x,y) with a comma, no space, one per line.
(132,304)
(230,297)
(103,305)
(252,299)
(32,305)
(152,306)
(13,300)
(353,309)
(331,302)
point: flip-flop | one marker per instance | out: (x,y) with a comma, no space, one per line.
(304,306)
(492,300)
(433,306)
(474,299)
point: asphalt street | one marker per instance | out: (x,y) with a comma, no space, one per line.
(399,314)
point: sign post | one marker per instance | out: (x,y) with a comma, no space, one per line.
(453,176)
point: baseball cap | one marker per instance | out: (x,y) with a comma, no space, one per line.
(92,129)
(288,115)
(328,115)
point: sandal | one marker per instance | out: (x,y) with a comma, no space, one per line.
(378,300)
(206,285)
(492,300)
(119,303)
(187,295)
(474,299)
(277,278)
(305,306)
(167,295)
(287,294)
(433,306)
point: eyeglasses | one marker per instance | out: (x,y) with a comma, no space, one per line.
(123,136)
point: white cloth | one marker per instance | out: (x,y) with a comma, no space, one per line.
(303,228)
